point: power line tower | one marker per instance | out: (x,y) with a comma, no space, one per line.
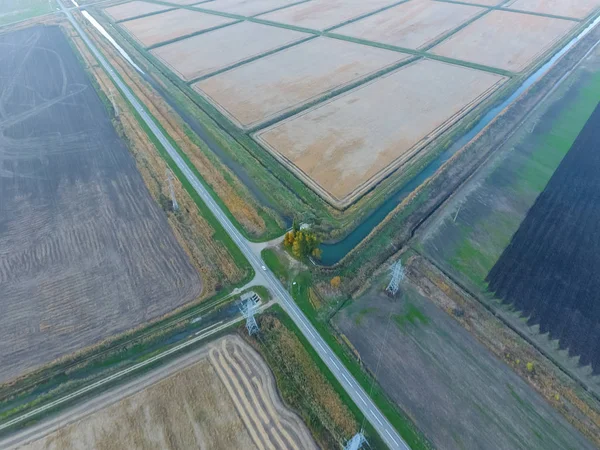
(248,309)
(397,277)
(356,442)
(172,190)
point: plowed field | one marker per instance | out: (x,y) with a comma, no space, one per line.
(136,8)
(84,250)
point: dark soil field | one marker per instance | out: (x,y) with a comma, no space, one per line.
(84,251)
(549,271)
(458,393)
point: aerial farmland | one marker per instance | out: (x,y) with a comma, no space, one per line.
(222,396)
(85,252)
(318,82)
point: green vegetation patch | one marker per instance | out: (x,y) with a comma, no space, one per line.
(17,10)
(413,316)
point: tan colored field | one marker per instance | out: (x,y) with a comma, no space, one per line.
(484,2)
(270,86)
(227,400)
(506,40)
(323,14)
(568,8)
(184,2)
(171,24)
(345,146)
(413,24)
(136,8)
(247,7)
(200,55)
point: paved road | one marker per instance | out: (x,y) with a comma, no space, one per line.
(356,392)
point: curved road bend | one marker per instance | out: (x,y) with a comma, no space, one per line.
(354,390)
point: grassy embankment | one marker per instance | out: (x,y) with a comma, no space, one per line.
(319,311)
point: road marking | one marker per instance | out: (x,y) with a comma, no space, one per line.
(346,378)
(378,420)
(392,437)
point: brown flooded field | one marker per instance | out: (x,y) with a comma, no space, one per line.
(323,14)
(578,9)
(343,147)
(136,8)
(414,24)
(246,7)
(270,86)
(209,52)
(506,40)
(221,397)
(169,25)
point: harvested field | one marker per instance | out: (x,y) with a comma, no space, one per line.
(170,25)
(221,397)
(414,24)
(345,146)
(578,9)
(185,2)
(247,7)
(136,8)
(506,40)
(548,271)
(323,14)
(482,2)
(271,86)
(209,52)
(85,252)
(455,390)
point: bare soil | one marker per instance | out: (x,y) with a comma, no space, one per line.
(506,40)
(163,27)
(578,9)
(86,252)
(200,55)
(345,146)
(323,14)
(136,8)
(246,7)
(456,391)
(414,24)
(273,85)
(226,400)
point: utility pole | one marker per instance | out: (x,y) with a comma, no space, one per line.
(397,277)
(172,190)
(356,442)
(248,309)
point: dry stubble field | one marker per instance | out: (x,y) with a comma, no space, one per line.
(85,252)
(135,8)
(169,25)
(273,85)
(504,39)
(413,24)
(578,9)
(208,52)
(345,146)
(323,14)
(222,397)
(246,7)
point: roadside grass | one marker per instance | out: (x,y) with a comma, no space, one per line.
(18,10)
(404,426)
(306,383)
(278,266)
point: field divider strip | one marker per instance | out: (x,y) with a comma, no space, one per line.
(191,35)
(142,16)
(280,8)
(249,60)
(500,7)
(364,16)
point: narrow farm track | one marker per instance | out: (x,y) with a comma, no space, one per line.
(387,432)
